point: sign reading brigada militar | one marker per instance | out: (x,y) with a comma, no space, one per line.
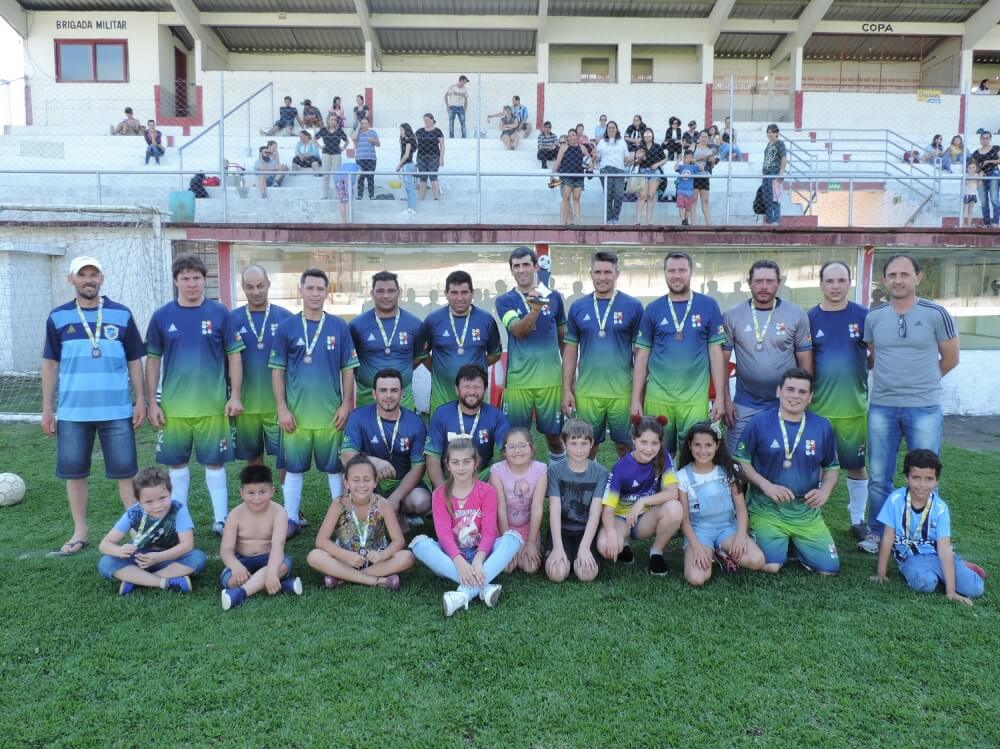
(86,24)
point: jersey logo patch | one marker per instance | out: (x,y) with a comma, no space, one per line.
(111,332)
(300,342)
(476,335)
(331,342)
(854,330)
(404,443)
(404,338)
(374,440)
(371,337)
(617,318)
(445,335)
(172,328)
(780,328)
(206,327)
(810,447)
(819,333)
(71,328)
(634,483)
(484,436)
(274,328)
(664,322)
(586,318)
(774,444)
(243,329)
(695,321)
(747,329)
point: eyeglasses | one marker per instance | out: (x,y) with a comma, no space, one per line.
(518,446)
(901,329)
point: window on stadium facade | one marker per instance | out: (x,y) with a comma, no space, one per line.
(91,61)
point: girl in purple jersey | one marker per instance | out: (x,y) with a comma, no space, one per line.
(715,513)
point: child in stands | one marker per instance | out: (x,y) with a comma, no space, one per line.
(253,543)
(467,550)
(360,540)
(715,513)
(519,481)
(917,533)
(162,553)
(641,498)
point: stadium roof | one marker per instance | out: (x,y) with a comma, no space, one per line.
(513,27)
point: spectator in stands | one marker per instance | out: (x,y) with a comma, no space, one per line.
(456,99)
(332,141)
(361,111)
(986,157)
(956,150)
(510,134)
(704,157)
(270,171)
(365,142)
(969,199)
(407,150)
(650,165)
(935,154)
(306,154)
(633,133)
(690,136)
(197,185)
(612,156)
(287,117)
(602,125)
(569,166)
(983,87)
(522,115)
(154,142)
(345,175)
(430,156)
(311,116)
(686,168)
(773,169)
(672,145)
(129,126)
(548,145)
(714,138)
(337,110)
(728,147)
(581,136)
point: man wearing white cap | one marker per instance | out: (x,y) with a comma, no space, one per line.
(93,350)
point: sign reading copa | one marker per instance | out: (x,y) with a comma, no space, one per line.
(86,24)
(877,28)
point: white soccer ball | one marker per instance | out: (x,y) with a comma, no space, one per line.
(545,262)
(12,489)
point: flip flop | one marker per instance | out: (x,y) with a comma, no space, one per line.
(75,546)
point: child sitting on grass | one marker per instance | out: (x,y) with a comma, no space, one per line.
(576,488)
(519,481)
(467,550)
(253,543)
(162,554)
(715,513)
(917,532)
(360,540)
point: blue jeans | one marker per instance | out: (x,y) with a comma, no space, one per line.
(454,112)
(429,551)
(923,574)
(989,188)
(919,425)
(75,444)
(154,152)
(195,560)
(724,150)
(772,214)
(409,182)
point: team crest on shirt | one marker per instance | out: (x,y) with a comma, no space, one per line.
(71,329)
(774,445)
(404,338)
(861,451)
(371,337)
(111,332)
(695,321)
(331,342)
(721,330)
(810,447)
(476,334)
(854,330)
(206,327)
(780,328)
(617,318)
(243,329)
(404,443)
(547,311)
(484,436)
(237,336)
(274,328)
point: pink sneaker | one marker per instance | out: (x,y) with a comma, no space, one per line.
(330,582)
(977,569)
(390,582)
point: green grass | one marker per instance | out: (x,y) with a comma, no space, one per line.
(628,661)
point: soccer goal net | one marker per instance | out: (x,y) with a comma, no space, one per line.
(37,243)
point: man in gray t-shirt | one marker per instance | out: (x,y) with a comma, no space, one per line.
(914,343)
(770,336)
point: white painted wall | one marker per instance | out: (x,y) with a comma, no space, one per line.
(565,61)
(899,112)
(569,103)
(671,64)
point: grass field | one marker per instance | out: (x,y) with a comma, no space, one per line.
(628,661)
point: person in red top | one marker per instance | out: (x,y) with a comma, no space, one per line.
(467,550)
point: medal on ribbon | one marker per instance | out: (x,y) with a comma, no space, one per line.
(387,339)
(93,335)
(603,321)
(263,326)
(310,345)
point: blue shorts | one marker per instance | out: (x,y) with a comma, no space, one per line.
(631,531)
(254,563)
(195,559)
(256,434)
(75,444)
(713,534)
(211,438)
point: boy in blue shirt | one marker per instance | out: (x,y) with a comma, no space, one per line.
(686,168)
(162,553)
(917,533)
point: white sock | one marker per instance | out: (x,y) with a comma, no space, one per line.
(180,481)
(557,457)
(215,480)
(293,495)
(857,498)
(336,485)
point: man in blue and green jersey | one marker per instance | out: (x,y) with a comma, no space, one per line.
(254,324)
(386,337)
(455,335)
(312,373)
(597,355)
(840,359)
(678,352)
(536,323)
(188,344)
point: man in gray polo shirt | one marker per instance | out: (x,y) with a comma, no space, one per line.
(769,335)
(914,344)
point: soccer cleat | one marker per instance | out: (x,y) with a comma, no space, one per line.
(657,565)
(233,597)
(627,556)
(869,544)
(218,527)
(490,594)
(293,530)
(330,582)
(974,567)
(303,521)
(390,582)
(125,588)
(726,562)
(414,520)
(181,584)
(860,531)
(292,585)
(453,601)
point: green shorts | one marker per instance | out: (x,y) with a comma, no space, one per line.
(256,434)
(680,418)
(301,447)
(852,440)
(211,437)
(386,487)
(602,414)
(773,528)
(545,402)
(363,397)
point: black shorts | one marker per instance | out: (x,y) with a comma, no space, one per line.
(306,162)
(701,183)
(571,544)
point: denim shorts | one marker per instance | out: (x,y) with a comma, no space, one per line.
(254,563)
(195,559)
(633,531)
(574,182)
(713,534)
(75,444)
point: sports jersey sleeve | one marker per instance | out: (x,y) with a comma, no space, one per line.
(669,476)
(572,329)
(53,344)
(803,335)
(502,427)
(748,441)
(154,337)
(891,513)
(612,492)
(507,311)
(183,521)
(348,354)
(943,520)
(134,347)
(634,323)
(234,342)
(423,349)
(279,350)
(493,344)
(124,524)
(644,338)
(560,311)
(353,438)
(437,436)
(830,458)
(728,331)
(716,330)
(417,443)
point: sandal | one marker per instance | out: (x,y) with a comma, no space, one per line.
(391,582)
(70,548)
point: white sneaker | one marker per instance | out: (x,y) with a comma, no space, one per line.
(869,544)
(453,601)
(490,594)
